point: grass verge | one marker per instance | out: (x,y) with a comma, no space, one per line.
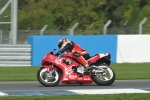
(125,71)
(82,97)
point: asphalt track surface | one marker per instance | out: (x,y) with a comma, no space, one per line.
(35,88)
(118,84)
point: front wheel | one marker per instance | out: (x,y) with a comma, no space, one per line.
(48,79)
(105,76)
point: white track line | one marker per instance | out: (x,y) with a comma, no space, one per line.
(109,91)
(3,94)
(82,91)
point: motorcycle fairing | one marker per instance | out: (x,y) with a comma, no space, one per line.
(99,57)
(75,78)
(69,76)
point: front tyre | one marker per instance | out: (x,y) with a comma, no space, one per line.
(104,78)
(48,79)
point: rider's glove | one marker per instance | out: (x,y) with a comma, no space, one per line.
(58,53)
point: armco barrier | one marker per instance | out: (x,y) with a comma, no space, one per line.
(15,55)
(92,43)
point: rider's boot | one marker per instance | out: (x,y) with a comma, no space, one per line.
(87,67)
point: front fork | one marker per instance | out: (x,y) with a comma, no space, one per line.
(49,68)
(50,71)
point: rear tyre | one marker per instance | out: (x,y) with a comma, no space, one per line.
(105,78)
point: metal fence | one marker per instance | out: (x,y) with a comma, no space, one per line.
(23,34)
(8,21)
(5,16)
(5,12)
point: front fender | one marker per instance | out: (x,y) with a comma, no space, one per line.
(47,67)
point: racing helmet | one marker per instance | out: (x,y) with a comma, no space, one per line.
(62,41)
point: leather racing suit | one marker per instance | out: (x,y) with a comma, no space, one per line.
(79,53)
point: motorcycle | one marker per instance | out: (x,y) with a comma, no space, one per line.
(65,69)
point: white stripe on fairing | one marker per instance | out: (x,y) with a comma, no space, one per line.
(3,94)
(103,54)
(109,91)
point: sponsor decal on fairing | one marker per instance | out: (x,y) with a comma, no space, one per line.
(86,79)
(73,76)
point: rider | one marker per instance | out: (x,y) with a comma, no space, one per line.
(79,53)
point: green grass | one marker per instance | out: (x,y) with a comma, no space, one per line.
(18,73)
(131,71)
(82,97)
(125,71)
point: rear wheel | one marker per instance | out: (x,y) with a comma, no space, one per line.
(105,76)
(48,79)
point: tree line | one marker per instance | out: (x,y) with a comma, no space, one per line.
(65,13)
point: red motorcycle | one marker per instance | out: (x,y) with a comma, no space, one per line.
(65,69)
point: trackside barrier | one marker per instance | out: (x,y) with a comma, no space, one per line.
(133,49)
(93,44)
(123,48)
(15,55)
